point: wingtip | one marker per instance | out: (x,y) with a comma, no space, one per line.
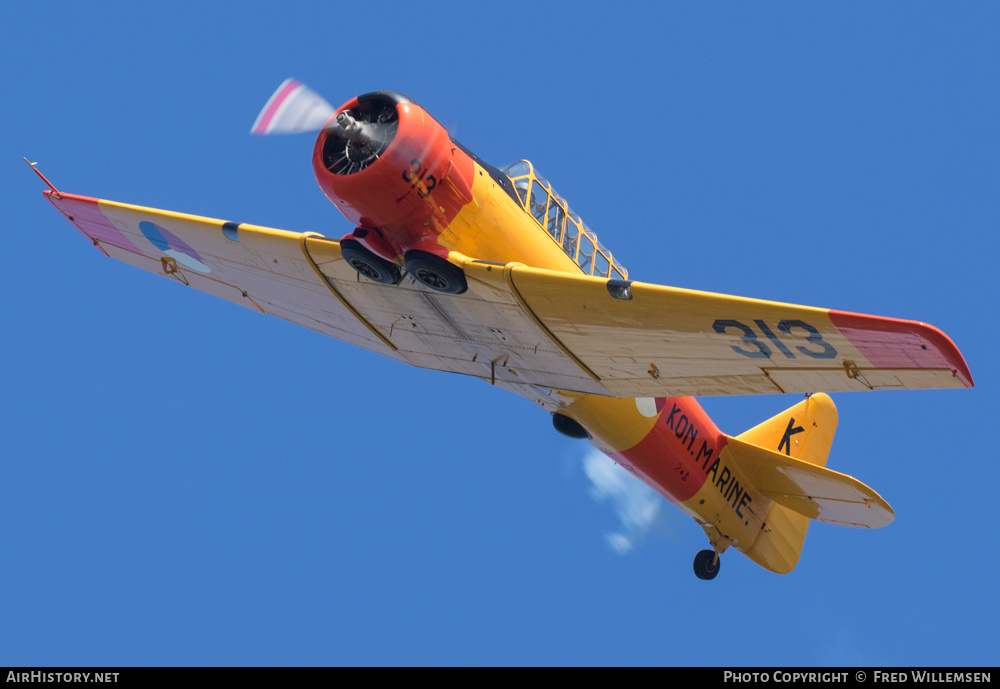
(962,370)
(901,338)
(949,350)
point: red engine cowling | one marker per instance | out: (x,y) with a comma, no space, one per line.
(394,172)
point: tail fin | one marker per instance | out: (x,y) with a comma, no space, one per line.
(804,432)
(784,458)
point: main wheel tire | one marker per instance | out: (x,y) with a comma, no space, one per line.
(435,272)
(368,264)
(706,564)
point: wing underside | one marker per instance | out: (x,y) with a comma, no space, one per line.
(525,326)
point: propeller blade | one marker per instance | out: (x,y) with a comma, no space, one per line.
(292,109)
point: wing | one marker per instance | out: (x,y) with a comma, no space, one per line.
(652,338)
(520,326)
(261,268)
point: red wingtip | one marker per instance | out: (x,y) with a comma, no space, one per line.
(896,343)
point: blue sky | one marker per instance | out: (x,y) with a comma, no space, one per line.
(185,482)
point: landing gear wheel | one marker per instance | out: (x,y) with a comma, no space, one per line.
(435,272)
(368,264)
(706,564)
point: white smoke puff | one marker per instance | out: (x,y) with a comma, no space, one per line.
(636,505)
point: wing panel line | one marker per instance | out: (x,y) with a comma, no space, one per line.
(508,276)
(338,295)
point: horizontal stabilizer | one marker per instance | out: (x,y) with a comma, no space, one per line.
(812,491)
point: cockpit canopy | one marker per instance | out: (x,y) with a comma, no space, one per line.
(554,216)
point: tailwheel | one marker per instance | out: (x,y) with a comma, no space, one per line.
(706,564)
(369,264)
(435,272)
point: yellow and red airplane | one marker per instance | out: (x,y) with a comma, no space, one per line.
(455,265)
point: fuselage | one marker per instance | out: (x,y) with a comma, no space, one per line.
(421,190)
